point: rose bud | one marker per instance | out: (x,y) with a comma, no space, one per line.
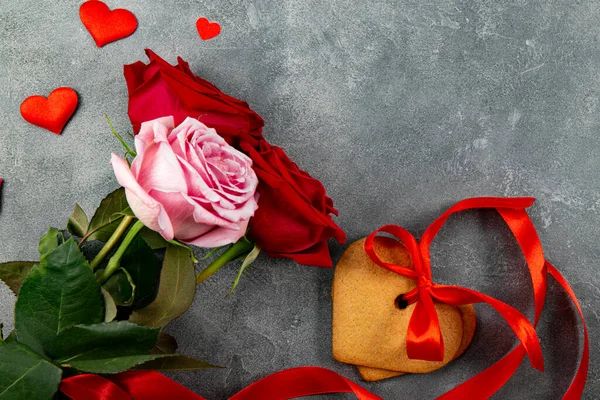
(294,219)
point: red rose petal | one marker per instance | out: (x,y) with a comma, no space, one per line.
(104,25)
(207,29)
(50,113)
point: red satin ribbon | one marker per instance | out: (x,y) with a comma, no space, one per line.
(424,334)
(150,385)
(424,339)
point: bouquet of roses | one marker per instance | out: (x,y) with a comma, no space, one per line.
(210,199)
(200,173)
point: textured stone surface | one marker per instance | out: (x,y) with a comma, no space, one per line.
(400,107)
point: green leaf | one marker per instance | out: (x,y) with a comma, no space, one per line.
(48,242)
(153,239)
(143,266)
(127,212)
(106,218)
(121,287)
(175,293)
(25,375)
(156,241)
(106,348)
(110,308)
(13,273)
(250,258)
(166,344)
(58,293)
(114,347)
(175,362)
(78,222)
(176,242)
(101,342)
(113,365)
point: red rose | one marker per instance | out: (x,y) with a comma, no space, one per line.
(160,89)
(293,219)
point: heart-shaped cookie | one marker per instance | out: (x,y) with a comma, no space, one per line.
(104,25)
(369,329)
(50,113)
(206,29)
(467,314)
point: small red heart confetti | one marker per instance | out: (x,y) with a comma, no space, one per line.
(207,29)
(50,113)
(104,25)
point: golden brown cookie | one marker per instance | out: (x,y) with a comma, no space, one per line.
(467,312)
(368,328)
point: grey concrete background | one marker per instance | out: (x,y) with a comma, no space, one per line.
(400,107)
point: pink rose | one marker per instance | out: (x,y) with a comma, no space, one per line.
(188,183)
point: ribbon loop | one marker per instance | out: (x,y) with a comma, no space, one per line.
(408,241)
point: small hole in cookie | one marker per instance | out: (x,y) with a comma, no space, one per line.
(401,303)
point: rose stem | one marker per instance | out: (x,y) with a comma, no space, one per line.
(115,260)
(238,249)
(114,239)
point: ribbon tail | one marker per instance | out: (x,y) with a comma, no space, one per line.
(524,231)
(424,339)
(483,385)
(92,387)
(576,388)
(151,385)
(456,295)
(488,382)
(299,382)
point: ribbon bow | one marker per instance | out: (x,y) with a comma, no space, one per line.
(424,338)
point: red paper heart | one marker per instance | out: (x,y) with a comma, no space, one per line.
(105,25)
(207,29)
(50,113)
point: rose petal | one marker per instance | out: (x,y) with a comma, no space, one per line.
(145,208)
(196,182)
(203,215)
(161,170)
(246,211)
(147,131)
(315,256)
(219,237)
(180,213)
